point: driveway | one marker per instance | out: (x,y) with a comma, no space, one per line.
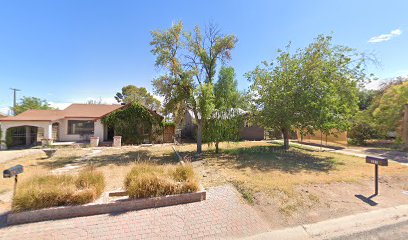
(222,215)
(6,155)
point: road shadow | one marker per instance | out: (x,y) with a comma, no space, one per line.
(125,158)
(367,199)
(266,158)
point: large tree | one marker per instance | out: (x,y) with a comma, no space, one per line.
(314,88)
(27,103)
(189,61)
(133,94)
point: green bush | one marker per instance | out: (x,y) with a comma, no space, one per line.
(361,130)
(135,123)
(58,190)
(151,180)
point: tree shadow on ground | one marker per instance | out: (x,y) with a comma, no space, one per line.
(126,158)
(266,158)
(119,159)
(59,162)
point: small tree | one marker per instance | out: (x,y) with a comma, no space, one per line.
(226,120)
(27,103)
(223,126)
(190,60)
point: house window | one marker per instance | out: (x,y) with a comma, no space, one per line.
(80,127)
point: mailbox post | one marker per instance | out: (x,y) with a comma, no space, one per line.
(13,172)
(377,161)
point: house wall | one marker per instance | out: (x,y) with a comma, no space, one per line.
(64,136)
(187,126)
(252,133)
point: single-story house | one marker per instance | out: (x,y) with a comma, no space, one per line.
(78,122)
(247,131)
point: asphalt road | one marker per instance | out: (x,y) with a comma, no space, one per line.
(397,231)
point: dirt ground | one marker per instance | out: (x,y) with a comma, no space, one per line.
(307,202)
(324,201)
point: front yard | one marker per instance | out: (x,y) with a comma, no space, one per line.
(287,188)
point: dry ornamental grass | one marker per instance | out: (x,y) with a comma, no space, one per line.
(151,180)
(58,190)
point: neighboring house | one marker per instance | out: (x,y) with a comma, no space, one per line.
(78,122)
(318,137)
(247,131)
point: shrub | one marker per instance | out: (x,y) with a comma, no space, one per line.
(91,179)
(361,130)
(151,180)
(58,190)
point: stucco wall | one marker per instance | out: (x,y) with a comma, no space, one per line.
(44,125)
(252,133)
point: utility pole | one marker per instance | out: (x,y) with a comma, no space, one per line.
(15,90)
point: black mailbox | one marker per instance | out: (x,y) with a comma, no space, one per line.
(13,171)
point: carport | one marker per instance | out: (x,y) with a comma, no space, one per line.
(28,129)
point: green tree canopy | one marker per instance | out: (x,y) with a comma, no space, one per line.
(366,98)
(388,108)
(225,90)
(189,61)
(313,89)
(27,103)
(133,94)
(225,122)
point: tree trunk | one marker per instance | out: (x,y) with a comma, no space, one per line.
(216,147)
(285,134)
(199,137)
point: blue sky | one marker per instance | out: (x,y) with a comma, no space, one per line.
(71,51)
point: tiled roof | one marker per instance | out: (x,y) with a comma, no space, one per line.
(89,110)
(72,111)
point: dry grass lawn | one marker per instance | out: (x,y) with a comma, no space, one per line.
(265,167)
(251,166)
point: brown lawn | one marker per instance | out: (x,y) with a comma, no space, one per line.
(278,183)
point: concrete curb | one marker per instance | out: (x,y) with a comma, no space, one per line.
(95,209)
(342,226)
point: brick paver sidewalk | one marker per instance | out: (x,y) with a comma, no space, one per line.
(222,215)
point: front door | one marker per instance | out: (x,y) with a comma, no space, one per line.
(111,133)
